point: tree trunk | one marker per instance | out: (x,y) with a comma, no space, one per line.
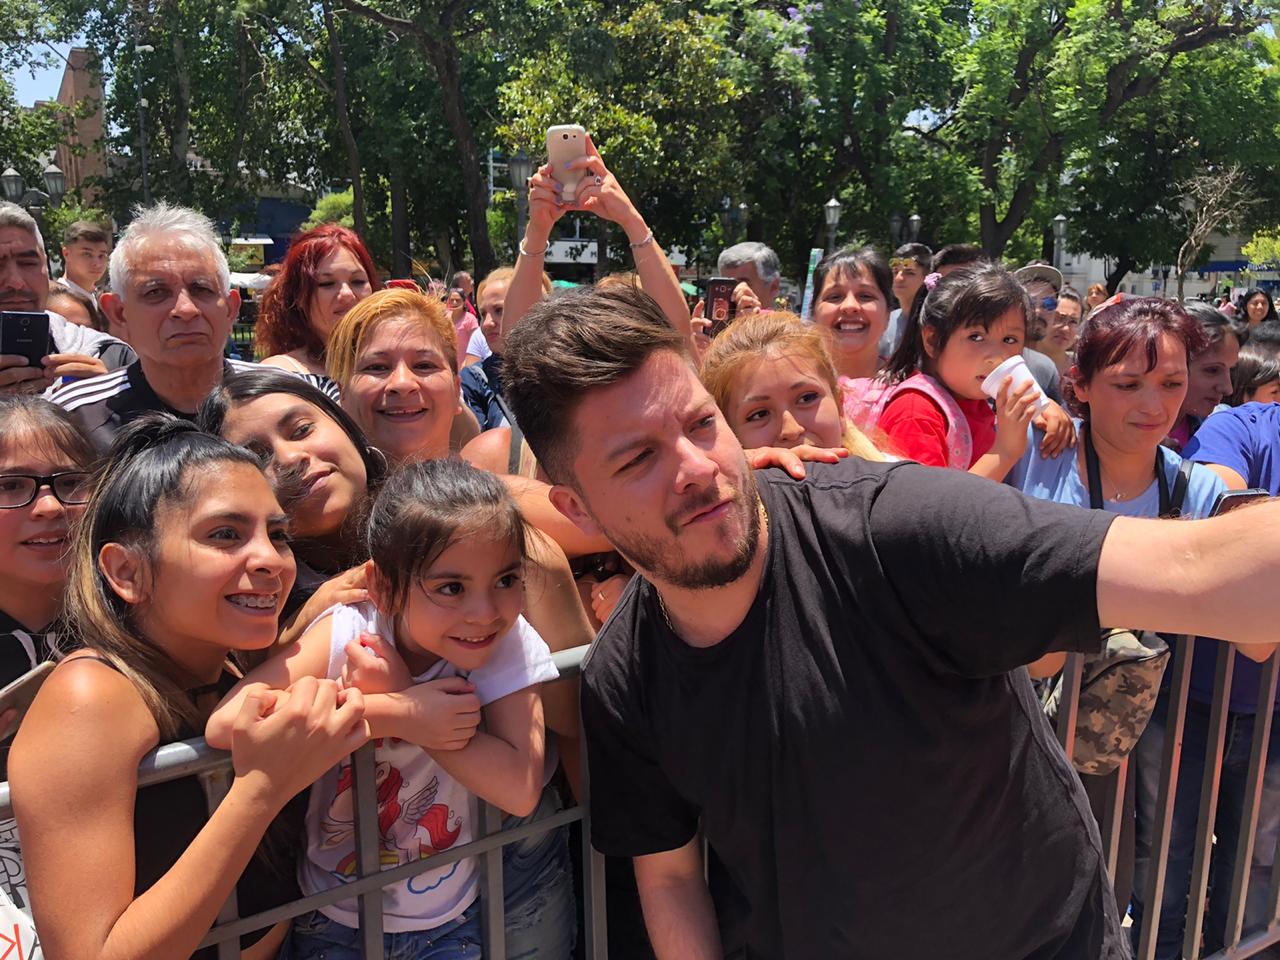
(443,54)
(343,110)
(180,143)
(1182,279)
(401,264)
(1123,266)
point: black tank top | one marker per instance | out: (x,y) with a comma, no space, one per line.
(167,817)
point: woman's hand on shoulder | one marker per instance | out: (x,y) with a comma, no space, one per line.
(793,459)
(1059,430)
(283,741)
(347,588)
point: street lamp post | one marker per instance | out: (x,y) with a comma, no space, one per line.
(1059,240)
(35,200)
(142,121)
(831,211)
(744,214)
(913,227)
(520,169)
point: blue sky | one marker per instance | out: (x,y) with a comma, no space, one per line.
(43,86)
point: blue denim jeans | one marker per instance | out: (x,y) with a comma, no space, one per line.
(316,937)
(1145,765)
(541,912)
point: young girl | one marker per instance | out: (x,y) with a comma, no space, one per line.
(447,551)
(1256,377)
(929,405)
(773,378)
(180,559)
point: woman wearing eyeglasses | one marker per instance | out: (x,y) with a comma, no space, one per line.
(1060,339)
(44,460)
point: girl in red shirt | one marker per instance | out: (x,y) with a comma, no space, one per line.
(966,325)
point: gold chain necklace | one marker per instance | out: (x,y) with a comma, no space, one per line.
(662,607)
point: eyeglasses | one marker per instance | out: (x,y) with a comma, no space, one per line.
(19,490)
(1048,303)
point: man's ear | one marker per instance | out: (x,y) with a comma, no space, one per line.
(125,571)
(233,303)
(567,501)
(111,304)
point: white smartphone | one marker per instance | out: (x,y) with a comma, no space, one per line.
(566,143)
(20,694)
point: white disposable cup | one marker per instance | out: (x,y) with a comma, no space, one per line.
(1016,367)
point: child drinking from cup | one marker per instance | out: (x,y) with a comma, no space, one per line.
(932,402)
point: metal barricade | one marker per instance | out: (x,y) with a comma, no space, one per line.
(196,758)
(1176,696)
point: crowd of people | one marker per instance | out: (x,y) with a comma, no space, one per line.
(826,567)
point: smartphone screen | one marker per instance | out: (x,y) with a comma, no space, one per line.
(25,335)
(720,307)
(1230,500)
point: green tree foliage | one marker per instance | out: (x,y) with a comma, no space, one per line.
(986,117)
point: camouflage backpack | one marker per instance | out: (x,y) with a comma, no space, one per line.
(1118,690)
(1119,686)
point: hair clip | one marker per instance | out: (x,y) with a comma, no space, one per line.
(931,280)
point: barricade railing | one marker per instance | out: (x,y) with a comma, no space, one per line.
(213,768)
(1237,943)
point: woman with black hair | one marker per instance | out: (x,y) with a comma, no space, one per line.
(1256,307)
(181,563)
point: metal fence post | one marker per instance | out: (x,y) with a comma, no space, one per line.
(364,791)
(1252,800)
(493,910)
(1159,853)
(595,925)
(1198,891)
(215,784)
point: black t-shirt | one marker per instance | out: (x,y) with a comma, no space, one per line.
(874,776)
(101,406)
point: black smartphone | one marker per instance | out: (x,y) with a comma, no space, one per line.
(19,695)
(720,307)
(25,335)
(1229,500)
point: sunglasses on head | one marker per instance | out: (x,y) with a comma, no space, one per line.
(1047,303)
(903,263)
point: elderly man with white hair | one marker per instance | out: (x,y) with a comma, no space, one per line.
(760,273)
(171,294)
(74,351)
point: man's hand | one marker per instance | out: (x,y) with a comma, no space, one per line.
(17,376)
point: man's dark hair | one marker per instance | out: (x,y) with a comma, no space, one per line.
(86,231)
(1266,336)
(958,255)
(569,345)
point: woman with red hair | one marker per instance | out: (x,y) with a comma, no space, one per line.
(327,271)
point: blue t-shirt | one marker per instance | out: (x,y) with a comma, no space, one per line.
(1245,439)
(1058,479)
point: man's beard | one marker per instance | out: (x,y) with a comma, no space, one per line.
(663,559)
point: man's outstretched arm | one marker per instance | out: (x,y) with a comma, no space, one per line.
(1213,578)
(677,904)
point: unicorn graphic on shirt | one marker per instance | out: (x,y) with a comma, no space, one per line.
(408,830)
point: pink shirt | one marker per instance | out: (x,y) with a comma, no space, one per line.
(465,328)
